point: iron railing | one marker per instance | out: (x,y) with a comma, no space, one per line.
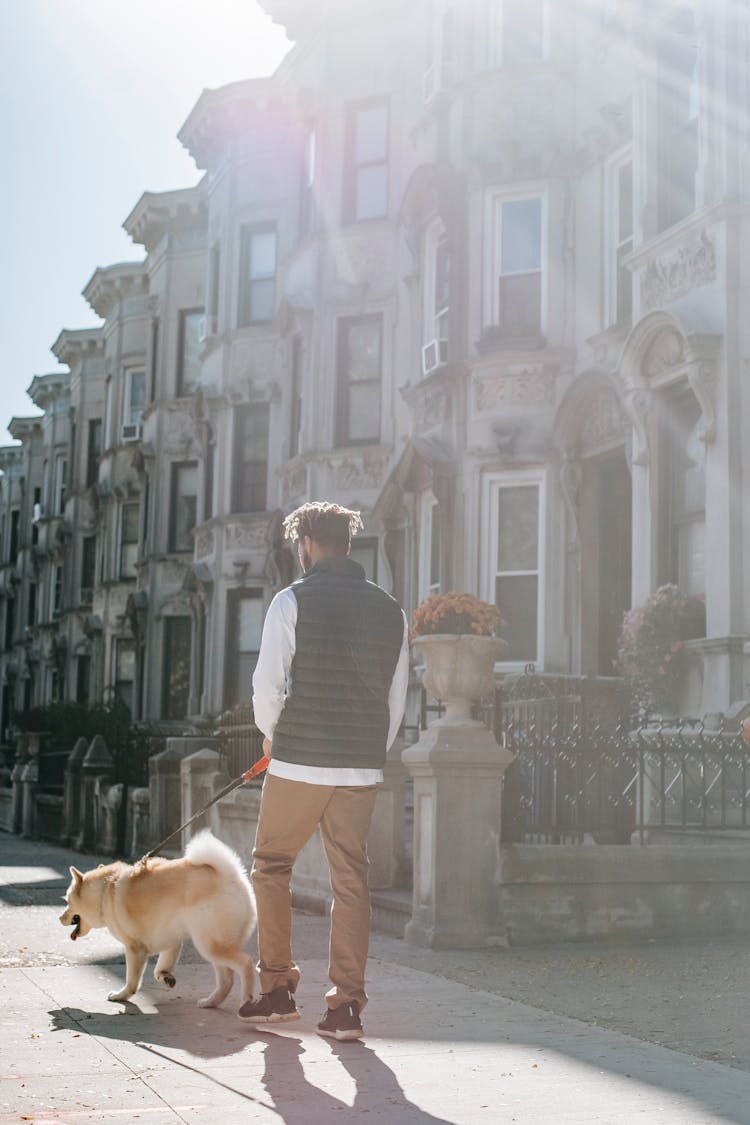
(240,740)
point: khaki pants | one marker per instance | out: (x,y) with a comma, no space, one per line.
(290,811)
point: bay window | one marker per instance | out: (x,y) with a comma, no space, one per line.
(516,286)
(359,376)
(514,562)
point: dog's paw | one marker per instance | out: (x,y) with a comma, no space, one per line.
(208,1002)
(166,979)
(124,995)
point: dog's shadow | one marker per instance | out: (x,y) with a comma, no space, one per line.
(208,1033)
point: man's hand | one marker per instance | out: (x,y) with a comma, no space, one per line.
(267,747)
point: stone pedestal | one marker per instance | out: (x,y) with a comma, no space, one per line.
(201,778)
(30,785)
(16,777)
(137,839)
(71,824)
(385,842)
(98,763)
(457,771)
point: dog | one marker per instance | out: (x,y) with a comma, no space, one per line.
(153,905)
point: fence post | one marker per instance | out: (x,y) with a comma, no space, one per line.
(29,785)
(165,812)
(201,777)
(22,757)
(385,843)
(458,771)
(98,762)
(72,792)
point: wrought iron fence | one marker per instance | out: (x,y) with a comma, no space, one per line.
(241,742)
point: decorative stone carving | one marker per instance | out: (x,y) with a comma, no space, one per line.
(432,408)
(294,482)
(571,475)
(603,423)
(637,403)
(676,272)
(360,472)
(245,537)
(703,378)
(522,387)
(664,353)
(204,542)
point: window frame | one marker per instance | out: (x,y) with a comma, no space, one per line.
(245,318)
(496,36)
(174,475)
(342,437)
(436,320)
(129,417)
(239,463)
(491,485)
(167,692)
(86,561)
(352,167)
(428,504)
(94,450)
(496,200)
(128,506)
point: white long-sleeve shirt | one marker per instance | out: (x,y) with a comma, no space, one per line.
(277,648)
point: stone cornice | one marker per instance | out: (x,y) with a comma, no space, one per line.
(109,285)
(43,389)
(221,114)
(10,455)
(158,212)
(23,427)
(75,344)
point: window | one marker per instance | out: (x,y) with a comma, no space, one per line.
(359,367)
(154,356)
(515,508)
(88,569)
(518,31)
(366,184)
(10,622)
(257,275)
(93,451)
(679,102)
(214,281)
(124,662)
(365,552)
(31,605)
(183,501)
(61,480)
(188,353)
(83,679)
(517,284)
(245,618)
(135,396)
(128,540)
(619,286)
(176,675)
(57,579)
(251,458)
(437,299)
(307,202)
(15,517)
(429,545)
(295,414)
(685,499)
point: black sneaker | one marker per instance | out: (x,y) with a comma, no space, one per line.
(342,1022)
(271,1007)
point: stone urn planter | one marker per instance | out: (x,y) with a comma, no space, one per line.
(459,670)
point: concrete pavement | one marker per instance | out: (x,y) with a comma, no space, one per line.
(438,1048)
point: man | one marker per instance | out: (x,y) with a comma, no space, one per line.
(329,692)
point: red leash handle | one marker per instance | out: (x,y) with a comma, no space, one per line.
(256,769)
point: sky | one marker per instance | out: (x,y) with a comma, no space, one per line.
(92,94)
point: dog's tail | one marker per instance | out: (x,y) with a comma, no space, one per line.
(205,848)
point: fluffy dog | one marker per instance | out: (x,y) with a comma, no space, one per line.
(153,905)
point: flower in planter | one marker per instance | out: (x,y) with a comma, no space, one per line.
(651,654)
(454,613)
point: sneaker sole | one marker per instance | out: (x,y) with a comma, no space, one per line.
(352,1033)
(276,1017)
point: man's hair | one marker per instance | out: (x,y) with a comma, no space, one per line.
(327,524)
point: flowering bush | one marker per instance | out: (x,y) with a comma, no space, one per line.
(651,653)
(454,613)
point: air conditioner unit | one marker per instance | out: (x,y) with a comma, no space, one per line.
(37,513)
(208,327)
(434,355)
(131,431)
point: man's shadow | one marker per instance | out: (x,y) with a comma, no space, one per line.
(299,1102)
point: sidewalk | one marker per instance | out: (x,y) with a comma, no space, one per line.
(447,1038)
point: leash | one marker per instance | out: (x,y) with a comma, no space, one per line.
(248,775)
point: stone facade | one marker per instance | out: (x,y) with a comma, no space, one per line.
(482,278)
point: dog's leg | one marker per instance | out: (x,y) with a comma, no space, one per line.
(165,963)
(224,982)
(136,957)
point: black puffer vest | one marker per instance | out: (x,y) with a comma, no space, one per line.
(348,638)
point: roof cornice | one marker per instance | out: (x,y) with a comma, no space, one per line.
(157,212)
(24,427)
(43,389)
(221,114)
(108,285)
(10,455)
(75,344)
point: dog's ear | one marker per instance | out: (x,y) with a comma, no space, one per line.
(76,875)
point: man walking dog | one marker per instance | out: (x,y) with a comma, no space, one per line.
(329,692)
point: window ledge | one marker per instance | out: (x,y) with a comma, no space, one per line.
(494,339)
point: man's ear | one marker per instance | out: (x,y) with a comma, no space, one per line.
(77,875)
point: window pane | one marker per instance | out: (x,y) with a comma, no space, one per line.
(435,546)
(521,248)
(130,523)
(516,598)
(371,134)
(125,660)
(691,557)
(363,351)
(262,300)
(372,192)
(137,395)
(625,202)
(262,254)
(184,499)
(520,312)
(176,684)
(190,350)
(364,412)
(518,528)
(250,624)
